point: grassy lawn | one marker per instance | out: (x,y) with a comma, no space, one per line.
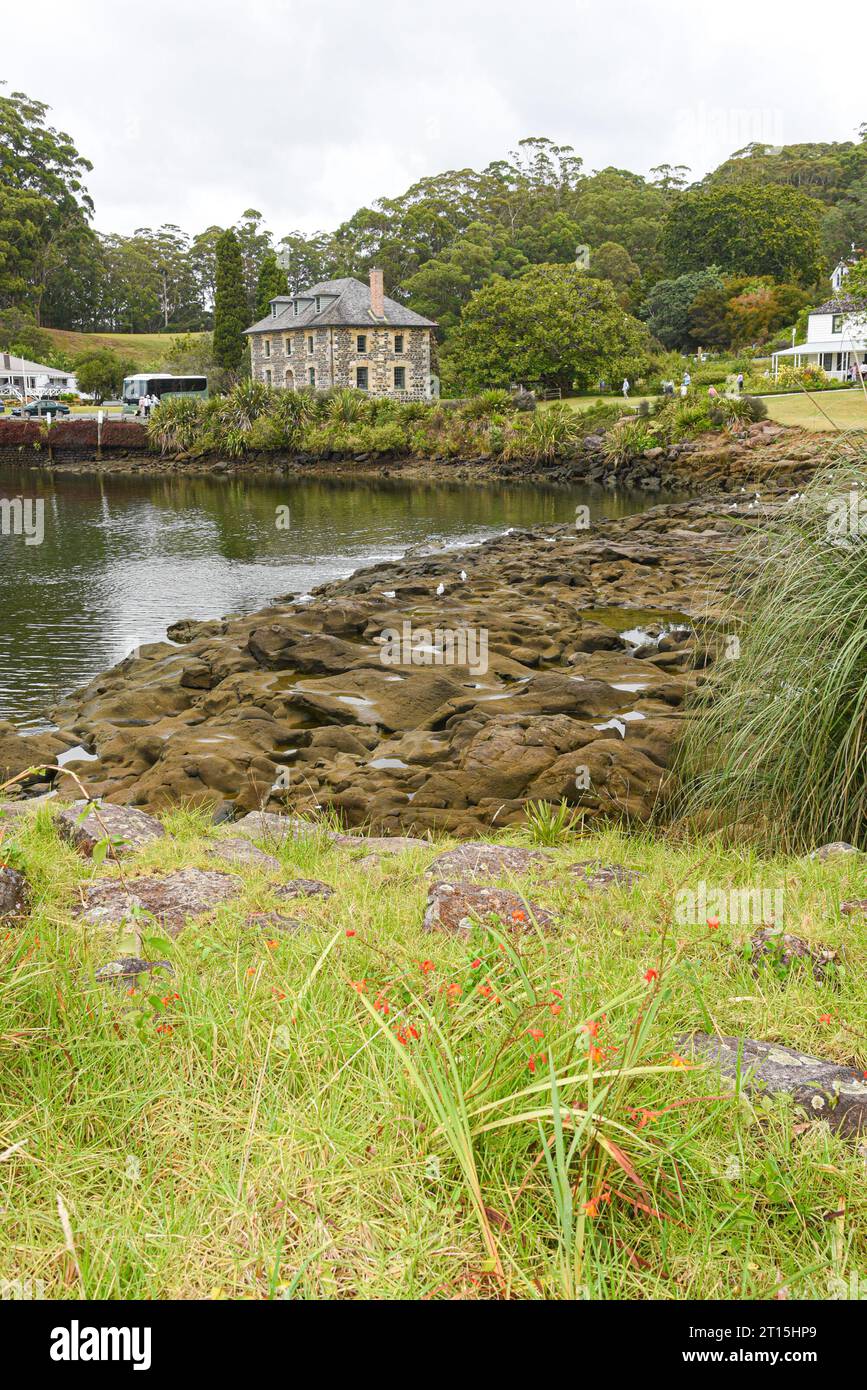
(582,403)
(821,410)
(363,1110)
(146,350)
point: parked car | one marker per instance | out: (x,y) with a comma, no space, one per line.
(42,408)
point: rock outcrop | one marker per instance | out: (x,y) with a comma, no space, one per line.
(408,698)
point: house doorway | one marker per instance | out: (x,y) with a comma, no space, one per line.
(289,381)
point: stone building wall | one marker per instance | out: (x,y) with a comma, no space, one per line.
(337,355)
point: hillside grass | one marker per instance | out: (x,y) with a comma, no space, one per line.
(147,350)
(264,1124)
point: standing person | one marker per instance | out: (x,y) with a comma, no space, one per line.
(687,379)
(625,388)
(140,407)
(740,383)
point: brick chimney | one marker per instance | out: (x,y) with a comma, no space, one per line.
(377,307)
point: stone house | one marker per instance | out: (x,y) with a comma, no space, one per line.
(345,333)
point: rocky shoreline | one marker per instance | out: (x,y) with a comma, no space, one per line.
(761,454)
(442,691)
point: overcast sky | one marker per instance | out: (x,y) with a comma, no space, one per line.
(191,111)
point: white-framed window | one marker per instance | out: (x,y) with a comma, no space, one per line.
(836,323)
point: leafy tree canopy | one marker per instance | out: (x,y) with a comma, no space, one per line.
(554,327)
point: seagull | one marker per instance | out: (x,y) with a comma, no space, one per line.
(463,576)
(441,588)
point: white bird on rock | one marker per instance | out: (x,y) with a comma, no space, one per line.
(463,576)
(441,588)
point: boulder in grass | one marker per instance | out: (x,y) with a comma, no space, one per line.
(823,1090)
(127,828)
(473,861)
(595,874)
(124,973)
(241,851)
(304,888)
(170,899)
(835,850)
(781,950)
(852,906)
(273,923)
(458,907)
(13,892)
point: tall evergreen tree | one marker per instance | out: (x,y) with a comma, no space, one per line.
(272,281)
(230,304)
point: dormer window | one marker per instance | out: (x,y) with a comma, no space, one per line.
(274,310)
(295,307)
(836,323)
(318,303)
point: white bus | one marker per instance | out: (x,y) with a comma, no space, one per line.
(160,384)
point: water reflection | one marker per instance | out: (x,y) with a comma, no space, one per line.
(123,557)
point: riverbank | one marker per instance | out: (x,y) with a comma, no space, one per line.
(757,454)
(442,691)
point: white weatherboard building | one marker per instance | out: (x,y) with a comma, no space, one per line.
(836,340)
(17,375)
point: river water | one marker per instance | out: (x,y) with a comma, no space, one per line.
(122,557)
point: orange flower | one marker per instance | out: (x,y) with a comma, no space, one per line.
(426,967)
(596,1054)
(165,1028)
(536,1033)
(277,993)
(591,1029)
(591,1207)
(272,944)
(474,964)
(651,975)
(824,1018)
(351,932)
(555,1009)
(713,923)
(531,1065)
(518,916)
(359,985)
(678,1061)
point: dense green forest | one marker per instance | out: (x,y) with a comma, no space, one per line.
(727,260)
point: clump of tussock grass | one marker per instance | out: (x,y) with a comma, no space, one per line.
(778,748)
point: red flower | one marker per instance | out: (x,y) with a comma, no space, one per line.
(591,1029)
(519,916)
(474,964)
(824,1018)
(651,975)
(426,967)
(713,923)
(536,1033)
(351,932)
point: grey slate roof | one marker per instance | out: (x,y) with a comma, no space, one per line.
(344,303)
(848,304)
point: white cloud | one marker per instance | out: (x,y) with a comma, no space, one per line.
(195,111)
